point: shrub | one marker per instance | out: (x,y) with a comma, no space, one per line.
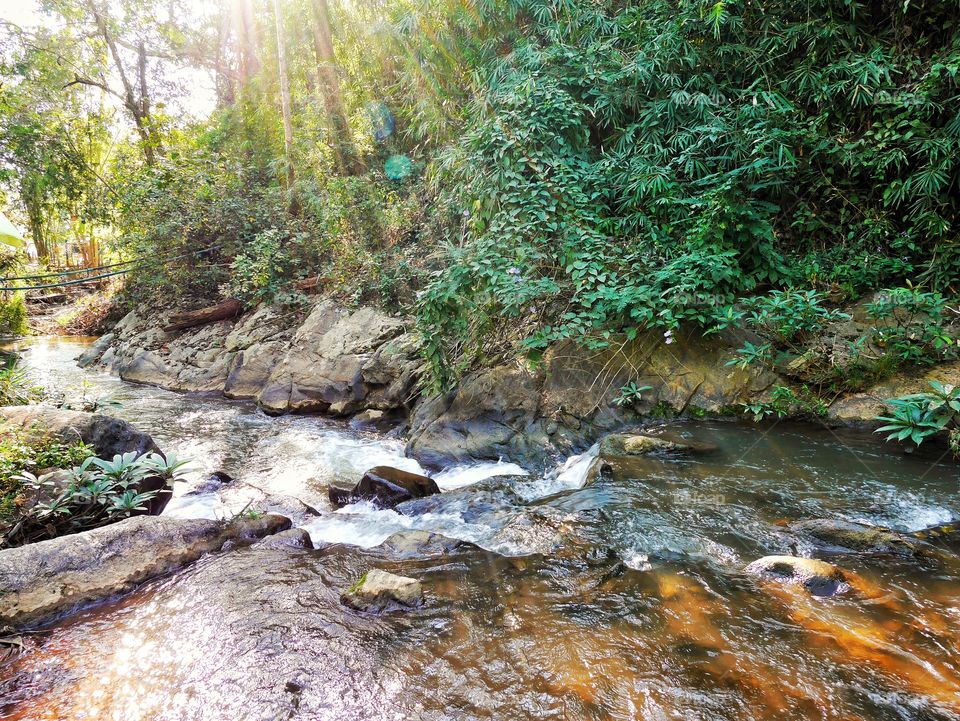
(910,325)
(919,416)
(13,316)
(16,387)
(625,159)
(19,455)
(99,492)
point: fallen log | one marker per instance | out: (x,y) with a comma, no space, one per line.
(52,298)
(229,308)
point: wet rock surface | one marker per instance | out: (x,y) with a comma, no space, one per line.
(818,577)
(380,591)
(290,538)
(656,442)
(418,545)
(44,579)
(838,536)
(384,486)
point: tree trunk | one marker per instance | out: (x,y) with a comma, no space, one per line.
(139,109)
(284,98)
(36,217)
(329,81)
(229,308)
(248,41)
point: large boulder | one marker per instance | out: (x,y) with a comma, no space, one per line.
(384,486)
(48,578)
(379,591)
(341,362)
(567,401)
(491,414)
(108,436)
(335,360)
(818,577)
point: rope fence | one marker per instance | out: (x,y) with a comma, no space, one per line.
(137,263)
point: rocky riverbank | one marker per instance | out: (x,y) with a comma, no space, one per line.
(363,363)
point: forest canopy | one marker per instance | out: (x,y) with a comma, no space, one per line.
(584,168)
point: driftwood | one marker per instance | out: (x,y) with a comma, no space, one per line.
(229,308)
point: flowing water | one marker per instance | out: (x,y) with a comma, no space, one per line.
(622,598)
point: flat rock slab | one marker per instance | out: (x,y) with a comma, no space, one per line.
(380,591)
(45,579)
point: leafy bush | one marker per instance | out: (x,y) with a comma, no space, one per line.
(785,401)
(918,416)
(13,316)
(99,492)
(642,164)
(19,455)
(910,325)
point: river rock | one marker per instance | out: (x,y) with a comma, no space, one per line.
(838,536)
(384,486)
(405,545)
(818,577)
(92,354)
(50,577)
(638,444)
(108,436)
(341,362)
(291,538)
(569,400)
(379,591)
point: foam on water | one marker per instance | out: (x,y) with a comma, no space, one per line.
(363,524)
(467,475)
(569,476)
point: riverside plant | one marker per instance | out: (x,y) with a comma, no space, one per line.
(918,416)
(99,492)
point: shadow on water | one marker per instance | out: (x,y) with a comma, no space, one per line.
(623,599)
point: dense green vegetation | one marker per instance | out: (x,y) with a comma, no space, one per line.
(97,492)
(587,169)
(20,454)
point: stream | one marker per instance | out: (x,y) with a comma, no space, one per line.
(622,598)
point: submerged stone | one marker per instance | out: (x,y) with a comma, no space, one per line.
(379,591)
(291,538)
(818,577)
(837,535)
(638,444)
(419,544)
